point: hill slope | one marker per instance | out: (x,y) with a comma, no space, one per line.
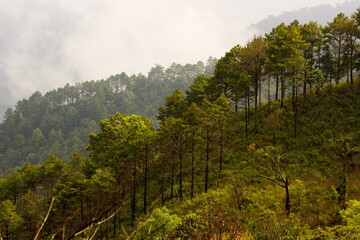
(59,121)
(247,199)
(230,160)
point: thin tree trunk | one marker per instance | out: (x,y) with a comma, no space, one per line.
(268,91)
(304,90)
(295,112)
(221,148)
(236,103)
(319,57)
(338,64)
(256,105)
(277,88)
(133,200)
(351,65)
(82,211)
(248,104)
(146,177)
(347,70)
(246,117)
(114,224)
(192,163)
(260,94)
(343,187)
(282,91)
(89,211)
(287,200)
(106,228)
(172,175)
(256,94)
(63,232)
(180,172)
(207,160)
(293,95)
(273,138)
(163,182)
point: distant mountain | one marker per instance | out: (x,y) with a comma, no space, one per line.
(322,14)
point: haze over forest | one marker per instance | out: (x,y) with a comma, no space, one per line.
(262,143)
(46,45)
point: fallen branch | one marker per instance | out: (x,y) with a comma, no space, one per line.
(94,233)
(45,219)
(96,223)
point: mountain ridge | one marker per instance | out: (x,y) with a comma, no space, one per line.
(322,14)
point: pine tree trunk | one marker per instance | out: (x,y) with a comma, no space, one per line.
(172,175)
(114,223)
(207,160)
(287,200)
(256,104)
(146,177)
(246,117)
(248,104)
(273,138)
(236,103)
(293,95)
(268,91)
(282,91)
(192,163)
(277,88)
(180,172)
(343,187)
(163,182)
(106,228)
(304,89)
(221,148)
(351,65)
(260,94)
(295,112)
(338,64)
(133,201)
(82,211)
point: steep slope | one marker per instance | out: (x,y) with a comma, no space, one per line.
(59,121)
(245,200)
(227,161)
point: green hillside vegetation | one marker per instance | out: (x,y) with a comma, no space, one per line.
(266,148)
(59,121)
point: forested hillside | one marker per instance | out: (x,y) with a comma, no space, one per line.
(59,121)
(266,148)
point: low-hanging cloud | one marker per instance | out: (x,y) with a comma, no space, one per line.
(45,44)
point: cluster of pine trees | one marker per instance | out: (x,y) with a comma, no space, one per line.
(59,122)
(266,148)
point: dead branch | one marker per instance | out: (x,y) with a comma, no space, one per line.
(45,219)
(96,222)
(94,233)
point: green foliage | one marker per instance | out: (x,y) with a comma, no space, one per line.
(10,221)
(269,226)
(351,214)
(222,165)
(121,137)
(59,121)
(161,224)
(316,79)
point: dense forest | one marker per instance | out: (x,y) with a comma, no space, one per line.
(59,122)
(266,147)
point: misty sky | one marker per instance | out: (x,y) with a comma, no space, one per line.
(47,43)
